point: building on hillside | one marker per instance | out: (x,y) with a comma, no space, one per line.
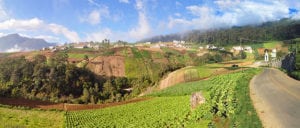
(178,41)
(80,45)
(237,48)
(273,54)
(248,49)
(211,47)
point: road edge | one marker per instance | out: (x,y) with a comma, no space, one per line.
(262,108)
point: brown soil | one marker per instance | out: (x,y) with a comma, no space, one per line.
(62,106)
(173,78)
(108,66)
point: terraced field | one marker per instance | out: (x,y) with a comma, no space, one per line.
(228,105)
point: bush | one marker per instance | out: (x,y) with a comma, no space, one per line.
(295,74)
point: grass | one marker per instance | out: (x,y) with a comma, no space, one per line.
(18,118)
(80,56)
(271,44)
(182,89)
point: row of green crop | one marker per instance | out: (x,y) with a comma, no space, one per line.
(227,105)
(158,112)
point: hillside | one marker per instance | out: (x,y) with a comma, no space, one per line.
(284,29)
(15,43)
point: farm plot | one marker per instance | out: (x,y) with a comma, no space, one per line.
(227,105)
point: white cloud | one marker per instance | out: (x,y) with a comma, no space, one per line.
(231,13)
(95,16)
(143,28)
(94,3)
(59,29)
(48,38)
(17,48)
(100,35)
(2,34)
(124,1)
(21,25)
(177,14)
(178,4)
(3,13)
(36,24)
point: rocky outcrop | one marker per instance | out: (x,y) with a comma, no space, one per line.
(289,61)
(108,66)
(197,99)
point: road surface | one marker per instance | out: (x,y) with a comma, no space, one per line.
(276,98)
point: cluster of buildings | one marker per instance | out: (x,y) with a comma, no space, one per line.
(173,44)
(233,49)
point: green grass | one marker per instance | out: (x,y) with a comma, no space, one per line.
(18,118)
(79,55)
(182,89)
(271,44)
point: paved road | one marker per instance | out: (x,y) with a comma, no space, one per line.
(276,98)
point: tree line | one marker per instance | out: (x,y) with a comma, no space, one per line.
(284,29)
(56,80)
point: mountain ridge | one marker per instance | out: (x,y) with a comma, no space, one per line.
(16,43)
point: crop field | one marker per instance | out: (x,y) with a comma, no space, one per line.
(227,104)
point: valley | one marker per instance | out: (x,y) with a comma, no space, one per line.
(195,82)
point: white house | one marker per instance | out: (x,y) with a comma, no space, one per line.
(237,48)
(248,49)
(273,54)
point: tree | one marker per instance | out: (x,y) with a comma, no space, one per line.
(243,54)
(85,95)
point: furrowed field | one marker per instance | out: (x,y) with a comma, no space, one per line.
(227,104)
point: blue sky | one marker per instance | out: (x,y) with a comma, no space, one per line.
(131,20)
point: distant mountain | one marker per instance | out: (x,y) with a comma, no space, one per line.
(16,43)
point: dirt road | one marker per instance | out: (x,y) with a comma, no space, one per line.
(276,98)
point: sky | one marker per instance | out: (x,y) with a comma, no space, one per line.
(65,21)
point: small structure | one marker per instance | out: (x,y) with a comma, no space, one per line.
(237,48)
(266,55)
(196,99)
(248,49)
(273,54)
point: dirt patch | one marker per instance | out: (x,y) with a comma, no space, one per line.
(108,66)
(173,78)
(62,106)
(31,103)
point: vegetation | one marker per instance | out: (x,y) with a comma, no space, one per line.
(16,117)
(227,104)
(57,81)
(284,29)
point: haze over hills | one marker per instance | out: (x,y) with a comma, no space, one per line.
(283,29)
(16,43)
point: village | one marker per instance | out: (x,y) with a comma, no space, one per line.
(175,44)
